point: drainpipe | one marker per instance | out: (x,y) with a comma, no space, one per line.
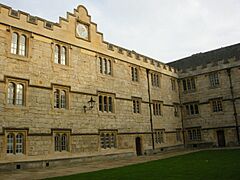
(150,108)
(233,102)
(181,112)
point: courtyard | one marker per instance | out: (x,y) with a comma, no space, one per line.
(208,164)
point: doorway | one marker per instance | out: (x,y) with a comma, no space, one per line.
(138,146)
(221,138)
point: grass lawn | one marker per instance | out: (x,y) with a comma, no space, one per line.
(210,164)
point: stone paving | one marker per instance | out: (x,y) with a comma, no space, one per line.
(70,169)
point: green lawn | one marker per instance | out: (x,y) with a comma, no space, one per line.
(207,165)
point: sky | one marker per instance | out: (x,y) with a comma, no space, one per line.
(165,30)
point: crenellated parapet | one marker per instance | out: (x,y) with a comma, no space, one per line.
(66,30)
(210,67)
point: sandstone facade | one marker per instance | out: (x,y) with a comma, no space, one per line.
(139,102)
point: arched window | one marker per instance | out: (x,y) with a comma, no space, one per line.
(109,67)
(14,44)
(63,99)
(57,54)
(10,143)
(19,143)
(110,104)
(22,45)
(100,65)
(105,67)
(105,103)
(64,142)
(63,55)
(57,142)
(56,98)
(19,94)
(100,103)
(10,96)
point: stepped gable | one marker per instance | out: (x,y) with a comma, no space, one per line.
(208,57)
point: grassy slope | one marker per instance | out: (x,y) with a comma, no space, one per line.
(217,164)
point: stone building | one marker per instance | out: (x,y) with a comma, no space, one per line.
(66,95)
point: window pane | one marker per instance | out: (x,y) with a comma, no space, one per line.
(19,144)
(63,56)
(22,45)
(105,67)
(19,94)
(100,103)
(105,103)
(56,98)
(14,43)
(110,104)
(57,54)
(64,142)
(10,143)
(57,142)
(63,99)
(184,85)
(11,93)
(109,67)
(100,65)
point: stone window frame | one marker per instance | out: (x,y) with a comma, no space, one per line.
(189,84)
(107,139)
(60,89)
(194,134)
(61,46)
(157,107)
(134,73)
(192,109)
(16,145)
(103,102)
(28,43)
(61,146)
(155,79)
(178,135)
(105,65)
(159,135)
(136,105)
(176,109)
(17,81)
(214,80)
(173,84)
(216,105)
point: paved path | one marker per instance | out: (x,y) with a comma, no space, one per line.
(84,167)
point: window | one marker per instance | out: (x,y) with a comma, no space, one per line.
(192,109)
(105,103)
(15,93)
(159,136)
(217,105)
(214,80)
(105,66)
(157,108)
(61,141)
(155,80)
(60,54)
(15,142)
(134,72)
(108,139)
(194,134)
(136,105)
(176,110)
(178,136)
(60,98)
(173,83)
(189,84)
(18,44)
